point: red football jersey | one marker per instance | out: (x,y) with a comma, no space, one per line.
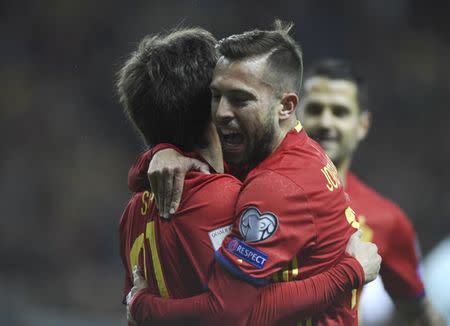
(293,221)
(174,264)
(385,224)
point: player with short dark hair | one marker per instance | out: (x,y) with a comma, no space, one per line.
(289,225)
(335,112)
(176,256)
(158,99)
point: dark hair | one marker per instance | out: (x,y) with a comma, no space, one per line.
(284,54)
(340,69)
(164,87)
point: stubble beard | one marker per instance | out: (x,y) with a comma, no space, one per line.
(262,146)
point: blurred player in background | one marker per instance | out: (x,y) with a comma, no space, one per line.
(436,277)
(334,112)
(164,84)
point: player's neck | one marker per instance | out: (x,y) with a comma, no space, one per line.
(285,127)
(342,168)
(213,152)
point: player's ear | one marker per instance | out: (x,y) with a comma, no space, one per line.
(287,105)
(365,121)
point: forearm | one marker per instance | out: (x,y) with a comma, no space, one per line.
(301,299)
(226,303)
(150,309)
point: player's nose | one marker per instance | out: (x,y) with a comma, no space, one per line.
(224,112)
(326,118)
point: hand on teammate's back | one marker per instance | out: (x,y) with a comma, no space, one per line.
(139,283)
(166,173)
(366,253)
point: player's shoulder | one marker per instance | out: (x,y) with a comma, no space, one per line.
(358,188)
(296,153)
(264,184)
(216,182)
(387,207)
(134,206)
(210,188)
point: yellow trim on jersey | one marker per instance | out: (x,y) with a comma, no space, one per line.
(298,126)
(367,231)
(307,323)
(294,267)
(354,295)
(135,250)
(145,263)
(156,262)
(286,275)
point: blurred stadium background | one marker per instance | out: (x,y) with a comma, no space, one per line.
(66,147)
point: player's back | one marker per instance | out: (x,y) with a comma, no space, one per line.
(176,254)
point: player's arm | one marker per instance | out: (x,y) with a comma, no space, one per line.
(300,299)
(128,281)
(401,278)
(230,299)
(166,172)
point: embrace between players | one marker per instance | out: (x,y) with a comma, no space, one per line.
(264,233)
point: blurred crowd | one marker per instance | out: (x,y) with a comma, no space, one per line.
(66,146)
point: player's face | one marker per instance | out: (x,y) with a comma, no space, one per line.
(331,115)
(243,110)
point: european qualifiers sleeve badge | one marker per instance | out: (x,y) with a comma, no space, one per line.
(255,226)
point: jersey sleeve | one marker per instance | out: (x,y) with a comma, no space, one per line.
(273,223)
(123,234)
(400,269)
(231,301)
(299,300)
(137,175)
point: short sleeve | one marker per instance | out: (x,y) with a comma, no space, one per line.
(273,223)
(400,268)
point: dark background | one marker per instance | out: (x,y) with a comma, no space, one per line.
(66,146)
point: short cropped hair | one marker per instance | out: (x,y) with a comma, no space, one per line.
(164,87)
(284,54)
(340,69)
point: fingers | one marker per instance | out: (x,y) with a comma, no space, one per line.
(359,233)
(164,184)
(177,191)
(166,175)
(199,166)
(138,280)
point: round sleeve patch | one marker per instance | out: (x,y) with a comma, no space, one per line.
(256,226)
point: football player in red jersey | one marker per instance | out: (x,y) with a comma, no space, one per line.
(292,223)
(334,112)
(159,86)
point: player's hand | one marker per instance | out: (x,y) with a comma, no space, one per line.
(139,283)
(166,173)
(366,253)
